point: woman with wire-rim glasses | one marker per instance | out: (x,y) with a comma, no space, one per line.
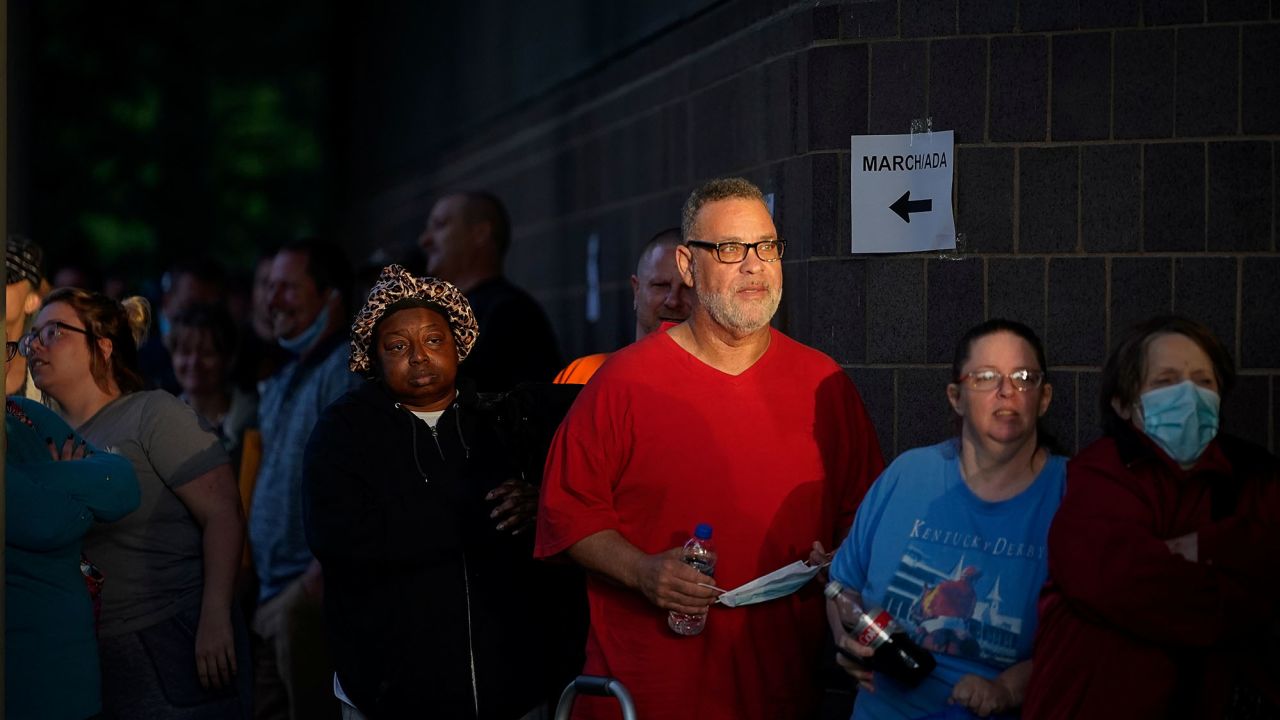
(951,538)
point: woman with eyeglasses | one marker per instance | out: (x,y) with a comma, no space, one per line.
(170,643)
(950,540)
(1164,561)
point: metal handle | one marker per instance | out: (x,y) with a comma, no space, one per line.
(600,687)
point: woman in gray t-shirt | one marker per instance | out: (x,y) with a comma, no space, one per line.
(171,643)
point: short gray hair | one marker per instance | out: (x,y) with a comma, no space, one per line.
(713,191)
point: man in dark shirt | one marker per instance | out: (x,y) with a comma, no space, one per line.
(466,240)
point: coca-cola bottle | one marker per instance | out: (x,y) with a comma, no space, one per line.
(895,654)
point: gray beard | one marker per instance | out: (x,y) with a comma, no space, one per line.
(743,317)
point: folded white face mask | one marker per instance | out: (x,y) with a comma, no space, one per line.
(779,583)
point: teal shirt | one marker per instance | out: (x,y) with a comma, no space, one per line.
(51,653)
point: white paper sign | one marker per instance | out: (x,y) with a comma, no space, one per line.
(900,192)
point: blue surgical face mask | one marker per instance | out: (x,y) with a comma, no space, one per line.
(1181,419)
(305,339)
(779,583)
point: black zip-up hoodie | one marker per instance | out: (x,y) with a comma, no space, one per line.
(431,611)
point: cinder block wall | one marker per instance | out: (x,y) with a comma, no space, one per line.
(1115,158)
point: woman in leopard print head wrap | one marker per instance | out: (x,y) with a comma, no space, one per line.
(411,507)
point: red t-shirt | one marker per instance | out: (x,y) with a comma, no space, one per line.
(773,459)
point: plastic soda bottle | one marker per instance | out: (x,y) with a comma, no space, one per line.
(896,655)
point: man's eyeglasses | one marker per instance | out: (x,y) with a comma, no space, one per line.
(10,350)
(1023,379)
(736,252)
(48,334)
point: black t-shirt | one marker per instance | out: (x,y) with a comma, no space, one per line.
(516,344)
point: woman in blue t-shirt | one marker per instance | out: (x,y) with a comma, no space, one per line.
(950,540)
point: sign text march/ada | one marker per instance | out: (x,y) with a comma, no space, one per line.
(900,187)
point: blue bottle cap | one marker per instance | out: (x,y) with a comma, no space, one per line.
(702,532)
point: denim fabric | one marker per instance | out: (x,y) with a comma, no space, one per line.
(291,402)
(293,672)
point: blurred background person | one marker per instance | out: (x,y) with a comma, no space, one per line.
(54,491)
(259,356)
(406,254)
(432,597)
(74,275)
(170,642)
(260,311)
(659,296)
(310,281)
(950,540)
(1163,592)
(23,263)
(187,282)
(203,343)
(466,240)
(192,281)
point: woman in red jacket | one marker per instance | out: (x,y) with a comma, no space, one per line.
(1163,558)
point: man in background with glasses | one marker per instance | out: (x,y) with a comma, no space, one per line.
(22,263)
(719,420)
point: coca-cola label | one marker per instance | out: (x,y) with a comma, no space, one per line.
(873,631)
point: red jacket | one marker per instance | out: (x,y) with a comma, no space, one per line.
(1130,630)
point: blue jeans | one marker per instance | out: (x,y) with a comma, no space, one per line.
(151,673)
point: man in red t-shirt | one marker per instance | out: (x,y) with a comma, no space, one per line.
(721,420)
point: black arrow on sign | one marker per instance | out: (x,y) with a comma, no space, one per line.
(905,205)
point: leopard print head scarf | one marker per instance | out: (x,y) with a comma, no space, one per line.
(396,284)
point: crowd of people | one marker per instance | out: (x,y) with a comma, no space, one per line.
(259,507)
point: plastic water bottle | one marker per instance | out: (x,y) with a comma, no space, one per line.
(699,552)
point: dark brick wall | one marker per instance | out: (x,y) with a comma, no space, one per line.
(1115,158)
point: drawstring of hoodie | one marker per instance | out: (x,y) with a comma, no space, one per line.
(457,420)
(413,425)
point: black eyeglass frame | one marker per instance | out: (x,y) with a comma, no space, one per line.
(24,342)
(1030,379)
(746,249)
